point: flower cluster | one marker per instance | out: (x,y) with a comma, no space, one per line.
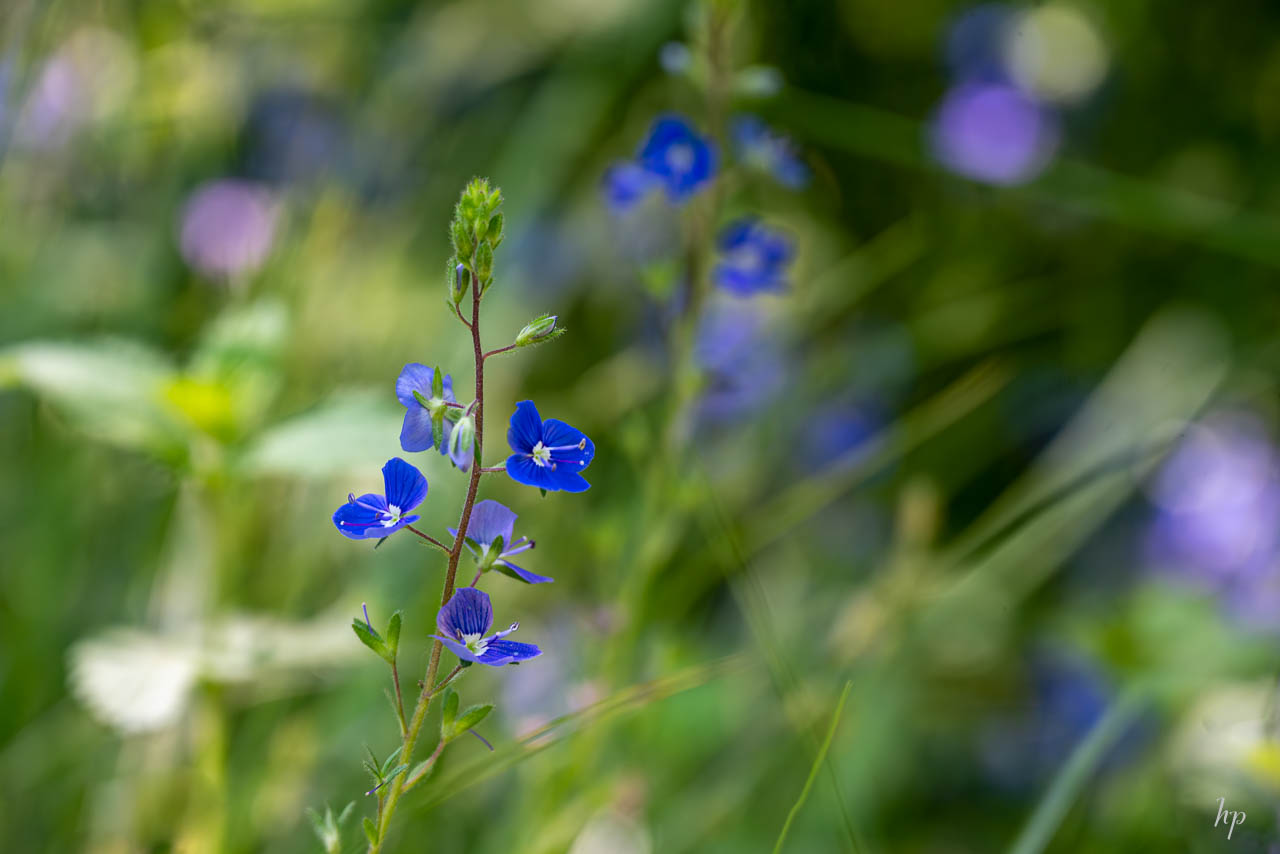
(548,454)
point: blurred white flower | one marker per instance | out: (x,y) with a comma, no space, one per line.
(138,681)
(611,833)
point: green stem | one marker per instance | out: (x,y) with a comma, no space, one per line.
(433,667)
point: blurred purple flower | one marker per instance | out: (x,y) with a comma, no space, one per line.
(741,359)
(1217,523)
(228,227)
(993,133)
(835,432)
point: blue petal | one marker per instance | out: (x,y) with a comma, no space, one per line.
(683,175)
(557,434)
(414,377)
(500,652)
(457,649)
(405,485)
(508,568)
(525,429)
(490,520)
(625,184)
(358,522)
(522,469)
(564,480)
(415,433)
(469,612)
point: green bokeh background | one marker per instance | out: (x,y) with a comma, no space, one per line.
(172,444)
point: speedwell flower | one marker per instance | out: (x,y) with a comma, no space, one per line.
(676,154)
(753,258)
(626,183)
(416,433)
(462,624)
(374,516)
(489,539)
(548,454)
(765,149)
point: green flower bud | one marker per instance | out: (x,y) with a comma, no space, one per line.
(537,329)
(484,264)
(494,232)
(463,241)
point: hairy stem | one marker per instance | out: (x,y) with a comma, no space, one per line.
(395,679)
(432,540)
(455,553)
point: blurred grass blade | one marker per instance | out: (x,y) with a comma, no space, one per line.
(1085,759)
(813,770)
(628,699)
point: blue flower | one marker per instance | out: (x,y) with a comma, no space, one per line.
(681,159)
(462,624)
(489,539)
(626,183)
(548,454)
(415,433)
(376,516)
(753,258)
(763,148)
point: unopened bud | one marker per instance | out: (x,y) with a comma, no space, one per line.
(462,442)
(461,280)
(536,330)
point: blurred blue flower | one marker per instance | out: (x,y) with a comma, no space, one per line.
(462,624)
(678,156)
(296,137)
(374,516)
(1218,518)
(548,454)
(741,360)
(762,148)
(834,432)
(626,183)
(753,258)
(415,433)
(993,133)
(1068,696)
(492,523)
(975,43)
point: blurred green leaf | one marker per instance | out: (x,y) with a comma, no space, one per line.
(351,432)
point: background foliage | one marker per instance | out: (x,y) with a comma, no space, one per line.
(1014,482)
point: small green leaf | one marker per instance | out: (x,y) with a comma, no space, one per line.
(417,773)
(425,402)
(371,639)
(471,717)
(370,831)
(437,383)
(449,712)
(346,813)
(437,427)
(393,634)
(384,773)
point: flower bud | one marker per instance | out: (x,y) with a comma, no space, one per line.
(462,442)
(461,280)
(536,330)
(463,241)
(484,263)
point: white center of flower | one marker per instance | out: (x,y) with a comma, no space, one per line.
(394,516)
(475,644)
(680,158)
(748,259)
(541,454)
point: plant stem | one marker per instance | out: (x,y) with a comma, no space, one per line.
(433,667)
(395,678)
(500,350)
(427,766)
(429,539)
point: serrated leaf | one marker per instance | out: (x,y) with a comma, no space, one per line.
(371,639)
(472,717)
(370,831)
(393,634)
